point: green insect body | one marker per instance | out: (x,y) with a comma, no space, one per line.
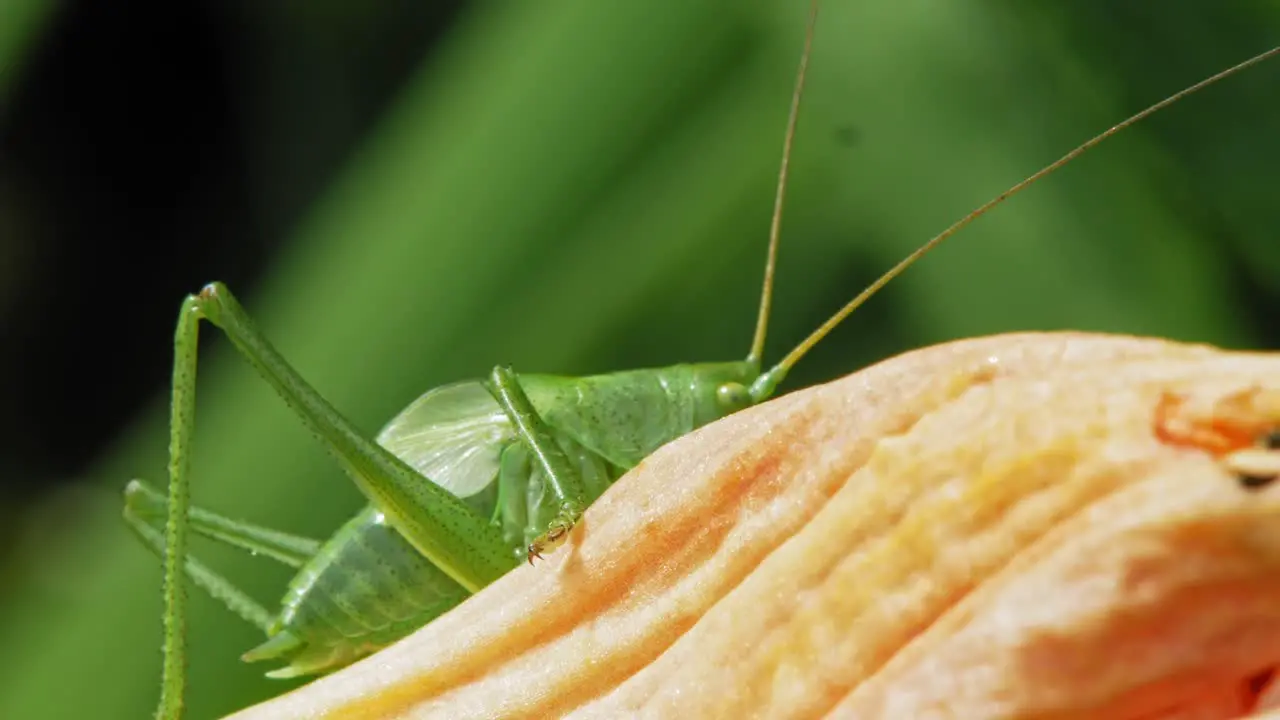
(367,586)
(465,483)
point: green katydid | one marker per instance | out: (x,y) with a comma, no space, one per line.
(467,481)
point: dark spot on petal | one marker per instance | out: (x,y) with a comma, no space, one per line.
(1259,682)
(1256,482)
(1271,440)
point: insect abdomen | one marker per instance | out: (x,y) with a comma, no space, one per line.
(366,588)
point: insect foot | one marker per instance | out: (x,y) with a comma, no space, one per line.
(1041,522)
(557,531)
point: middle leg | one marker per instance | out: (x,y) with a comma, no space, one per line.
(563,478)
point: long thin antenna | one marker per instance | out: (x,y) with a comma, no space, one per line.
(765,384)
(775,226)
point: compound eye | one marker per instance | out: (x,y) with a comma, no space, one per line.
(733,396)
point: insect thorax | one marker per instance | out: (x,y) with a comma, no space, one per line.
(625,416)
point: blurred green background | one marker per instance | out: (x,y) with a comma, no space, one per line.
(408,193)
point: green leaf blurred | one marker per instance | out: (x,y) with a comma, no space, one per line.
(579,186)
(24,20)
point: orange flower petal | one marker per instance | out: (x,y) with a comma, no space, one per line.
(1022,526)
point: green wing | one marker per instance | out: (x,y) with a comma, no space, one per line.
(453,434)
